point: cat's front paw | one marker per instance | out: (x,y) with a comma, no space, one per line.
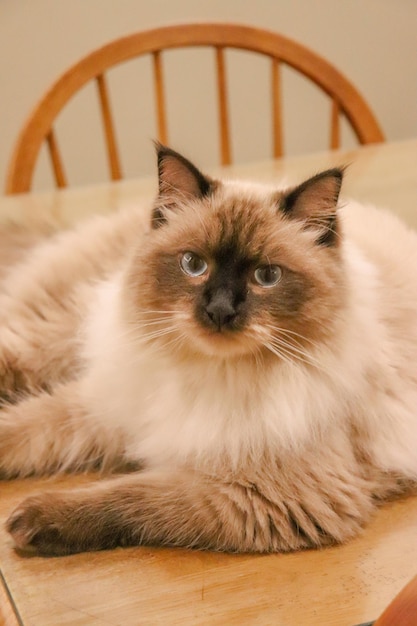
(35,527)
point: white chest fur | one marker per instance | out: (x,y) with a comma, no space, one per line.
(203,410)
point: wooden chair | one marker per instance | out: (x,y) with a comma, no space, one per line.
(344,97)
(402,611)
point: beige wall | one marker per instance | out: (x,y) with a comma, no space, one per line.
(371,41)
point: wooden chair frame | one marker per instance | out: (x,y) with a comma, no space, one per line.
(344,96)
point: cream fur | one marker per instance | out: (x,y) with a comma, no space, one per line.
(215,424)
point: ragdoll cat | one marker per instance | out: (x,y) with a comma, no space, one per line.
(253,351)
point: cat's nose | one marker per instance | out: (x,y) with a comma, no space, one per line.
(220,309)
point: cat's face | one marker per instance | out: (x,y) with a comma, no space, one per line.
(231,269)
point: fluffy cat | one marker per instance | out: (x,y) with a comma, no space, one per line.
(252,352)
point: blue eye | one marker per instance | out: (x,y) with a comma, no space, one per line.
(268,275)
(193,265)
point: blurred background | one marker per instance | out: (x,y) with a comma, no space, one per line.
(371,41)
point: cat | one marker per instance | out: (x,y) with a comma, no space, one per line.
(248,351)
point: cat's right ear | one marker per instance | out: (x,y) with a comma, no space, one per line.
(179,180)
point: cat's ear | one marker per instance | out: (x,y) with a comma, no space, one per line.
(315,203)
(179,180)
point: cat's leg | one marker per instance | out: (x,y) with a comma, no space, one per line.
(181,508)
(49,433)
(38,348)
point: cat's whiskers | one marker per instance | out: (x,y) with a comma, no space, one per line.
(295,354)
(291,334)
(256,352)
(164,311)
(279,353)
(155,322)
(134,332)
(289,356)
(153,325)
(157,334)
(176,342)
(286,334)
(134,336)
(148,318)
(294,351)
(288,348)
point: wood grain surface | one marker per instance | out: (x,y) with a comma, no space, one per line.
(8,614)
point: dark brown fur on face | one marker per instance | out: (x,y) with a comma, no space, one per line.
(235,234)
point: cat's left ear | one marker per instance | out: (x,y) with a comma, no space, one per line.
(315,203)
(179,180)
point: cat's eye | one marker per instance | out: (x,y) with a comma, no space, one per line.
(268,275)
(192,264)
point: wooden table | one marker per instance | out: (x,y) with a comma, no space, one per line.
(340,586)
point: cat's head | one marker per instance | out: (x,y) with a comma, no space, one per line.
(232,268)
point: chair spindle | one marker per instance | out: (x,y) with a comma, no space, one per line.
(335,126)
(223,110)
(112,152)
(276,108)
(160,97)
(58,168)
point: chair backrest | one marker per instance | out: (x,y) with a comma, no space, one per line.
(344,97)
